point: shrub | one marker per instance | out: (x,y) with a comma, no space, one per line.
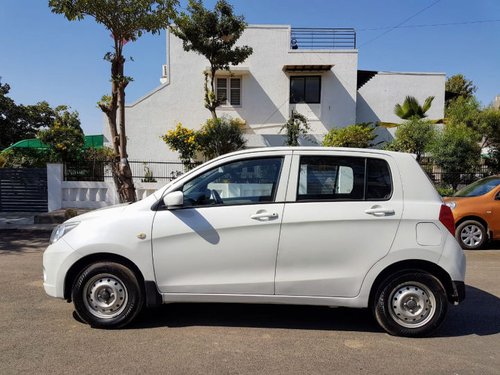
(456,150)
(357,135)
(220,136)
(413,136)
(182,140)
(296,126)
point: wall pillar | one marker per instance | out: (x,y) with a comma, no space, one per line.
(55,179)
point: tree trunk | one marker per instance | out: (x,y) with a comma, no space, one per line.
(213,105)
(122,174)
(126,189)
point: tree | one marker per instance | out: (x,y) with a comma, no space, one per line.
(18,122)
(212,34)
(127,20)
(456,150)
(357,135)
(220,136)
(411,108)
(460,86)
(296,126)
(65,136)
(413,136)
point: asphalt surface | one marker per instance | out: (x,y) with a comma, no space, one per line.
(38,334)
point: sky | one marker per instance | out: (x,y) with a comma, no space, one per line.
(45,57)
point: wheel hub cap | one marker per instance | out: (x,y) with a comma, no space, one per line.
(471,235)
(412,305)
(105,296)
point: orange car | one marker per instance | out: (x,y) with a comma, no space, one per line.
(476,209)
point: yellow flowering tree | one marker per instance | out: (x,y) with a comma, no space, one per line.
(182,140)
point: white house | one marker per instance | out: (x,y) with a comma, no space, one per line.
(314,71)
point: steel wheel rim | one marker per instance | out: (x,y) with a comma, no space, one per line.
(471,235)
(412,304)
(105,296)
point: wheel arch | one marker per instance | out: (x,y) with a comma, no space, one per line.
(413,265)
(152,296)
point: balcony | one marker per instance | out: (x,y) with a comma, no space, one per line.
(322,38)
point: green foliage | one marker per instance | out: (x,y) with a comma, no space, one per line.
(220,136)
(296,126)
(445,191)
(18,122)
(148,174)
(460,86)
(26,158)
(182,140)
(411,108)
(213,34)
(65,137)
(456,150)
(128,19)
(413,136)
(465,111)
(105,154)
(357,135)
(70,213)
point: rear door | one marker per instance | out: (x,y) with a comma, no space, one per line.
(341,216)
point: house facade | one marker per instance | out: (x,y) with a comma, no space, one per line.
(314,71)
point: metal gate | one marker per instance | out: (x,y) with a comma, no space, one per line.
(23,189)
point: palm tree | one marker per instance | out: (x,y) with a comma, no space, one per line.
(411,108)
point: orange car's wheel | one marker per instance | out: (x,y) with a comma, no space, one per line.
(471,235)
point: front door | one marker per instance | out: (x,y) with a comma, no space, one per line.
(344,218)
(225,238)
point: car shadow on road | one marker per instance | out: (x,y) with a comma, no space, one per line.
(477,315)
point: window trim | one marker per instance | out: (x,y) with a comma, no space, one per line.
(365,162)
(228,91)
(305,77)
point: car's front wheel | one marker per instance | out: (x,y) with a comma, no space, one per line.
(410,304)
(471,235)
(107,295)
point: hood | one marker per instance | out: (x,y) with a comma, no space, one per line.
(101,212)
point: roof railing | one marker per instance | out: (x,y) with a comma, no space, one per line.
(323,38)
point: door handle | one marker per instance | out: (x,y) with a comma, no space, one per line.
(379,211)
(264,215)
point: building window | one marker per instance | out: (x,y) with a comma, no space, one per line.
(228,91)
(305,89)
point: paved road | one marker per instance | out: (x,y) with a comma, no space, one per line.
(39,335)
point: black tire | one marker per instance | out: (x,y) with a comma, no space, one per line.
(471,235)
(107,295)
(400,317)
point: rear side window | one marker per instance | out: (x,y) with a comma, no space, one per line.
(378,180)
(343,178)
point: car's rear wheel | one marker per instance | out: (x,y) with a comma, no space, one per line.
(471,235)
(410,304)
(107,295)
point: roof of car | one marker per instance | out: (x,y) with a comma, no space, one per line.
(317,149)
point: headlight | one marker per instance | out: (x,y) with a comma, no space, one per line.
(61,230)
(451,204)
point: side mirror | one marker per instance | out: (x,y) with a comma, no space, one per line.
(174,200)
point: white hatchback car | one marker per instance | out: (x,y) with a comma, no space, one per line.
(313,226)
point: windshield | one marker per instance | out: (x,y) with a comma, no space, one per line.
(478,188)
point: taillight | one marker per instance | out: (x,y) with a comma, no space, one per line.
(446,218)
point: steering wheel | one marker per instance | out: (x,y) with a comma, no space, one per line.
(216,196)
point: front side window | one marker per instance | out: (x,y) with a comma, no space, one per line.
(305,89)
(241,182)
(343,178)
(228,91)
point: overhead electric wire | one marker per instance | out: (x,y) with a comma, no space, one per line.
(428,25)
(401,23)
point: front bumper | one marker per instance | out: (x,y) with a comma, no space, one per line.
(57,259)
(458,294)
